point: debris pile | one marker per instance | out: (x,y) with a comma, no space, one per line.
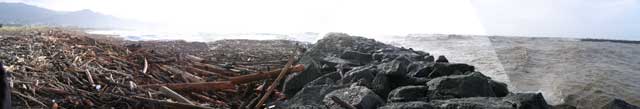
(58,68)
(344,71)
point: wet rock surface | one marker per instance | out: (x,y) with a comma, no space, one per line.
(460,86)
(368,74)
(408,93)
(358,96)
(619,104)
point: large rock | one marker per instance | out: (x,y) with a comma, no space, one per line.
(471,103)
(312,96)
(408,105)
(358,96)
(526,100)
(420,68)
(512,101)
(391,53)
(619,104)
(361,75)
(446,69)
(334,44)
(499,88)
(460,86)
(381,85)
(327,52)
(442,59)
(357,58)
(408,93)
(296,81)
(327,79)
(396,68)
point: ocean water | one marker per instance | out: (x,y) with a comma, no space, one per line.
(585,74)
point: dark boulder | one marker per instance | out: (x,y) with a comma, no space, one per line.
(327,79)
(443,59)
(429,59)
(334,61)
(408,105)
(472,103)
(334,44)
(312,96)
(358,96)
(420,68)
(619,104)
(361,75)
(408,93)
(397,68)
(499,88)
(459,86)
(526,100)
(358,58)
(296,81)
(513,101)
(381,85)
(377,56)
(445,69)
(306,107)
(325,55)
(563,106)
(405,81)
(391,53)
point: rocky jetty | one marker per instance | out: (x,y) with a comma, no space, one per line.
(345,71)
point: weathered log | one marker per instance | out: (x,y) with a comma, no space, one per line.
(146,66)
(61,92)
(215,69)
(260,76)
(205,98)
(165,90)
(29,98)
(275,82)
(205,73)
(188,75)
(89,77)
(203,86)
(194,58)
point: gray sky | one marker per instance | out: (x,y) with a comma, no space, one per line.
(566,18)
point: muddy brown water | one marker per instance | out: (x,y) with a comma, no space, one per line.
(585,74)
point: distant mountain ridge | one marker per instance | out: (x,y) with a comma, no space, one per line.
(24,14)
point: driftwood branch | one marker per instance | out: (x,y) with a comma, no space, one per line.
(260,76)
(203,86)
(215,69)
(275,82)
(205,73)
(165,90)
(188,75)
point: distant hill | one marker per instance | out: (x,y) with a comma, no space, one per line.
(24,14)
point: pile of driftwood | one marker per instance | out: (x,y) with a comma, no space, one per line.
(57,68)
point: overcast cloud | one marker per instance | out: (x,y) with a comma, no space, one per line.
(566,18)
(569,18)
